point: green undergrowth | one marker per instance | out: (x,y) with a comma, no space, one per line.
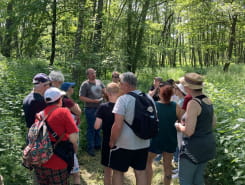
(227,91)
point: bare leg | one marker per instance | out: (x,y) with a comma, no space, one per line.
(76,178)
(141,177)
(149,171)
(117,177)
(167,166)
(107,176)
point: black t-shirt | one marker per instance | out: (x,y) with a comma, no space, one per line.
(32,104)
(104,112)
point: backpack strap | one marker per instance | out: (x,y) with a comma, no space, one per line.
(53,133)
(199,98)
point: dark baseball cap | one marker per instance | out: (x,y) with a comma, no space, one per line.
(40,78)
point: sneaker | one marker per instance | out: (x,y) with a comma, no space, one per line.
(175,176)
(158,158)
(175,170)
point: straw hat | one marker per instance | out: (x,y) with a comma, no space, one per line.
(192,80)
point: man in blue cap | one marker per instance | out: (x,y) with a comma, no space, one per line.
(34,102)
(76,112)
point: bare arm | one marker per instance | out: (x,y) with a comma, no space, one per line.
(116,129)
(179,112)
(76,110)
(73,139)
(89,100)
(98,123)
(192,112)
(151,93)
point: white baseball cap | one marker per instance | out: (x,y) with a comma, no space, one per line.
(52,94)
(181,88)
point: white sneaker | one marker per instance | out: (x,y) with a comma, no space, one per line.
(175,170)
(175,176)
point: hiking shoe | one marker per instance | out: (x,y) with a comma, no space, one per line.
(175,176)
(175,170)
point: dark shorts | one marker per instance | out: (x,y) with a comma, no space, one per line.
(155,150)
(121,159)
(51,177)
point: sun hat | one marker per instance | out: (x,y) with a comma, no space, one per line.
(192,80)
(52,94)
(66,85)
(181,88)
(40,78)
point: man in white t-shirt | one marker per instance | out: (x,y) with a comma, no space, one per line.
(127,149)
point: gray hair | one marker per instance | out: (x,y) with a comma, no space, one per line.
(128,78)
(56,76)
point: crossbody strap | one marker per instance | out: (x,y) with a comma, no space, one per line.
(53,133)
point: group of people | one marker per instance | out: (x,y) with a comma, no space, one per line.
(185,116)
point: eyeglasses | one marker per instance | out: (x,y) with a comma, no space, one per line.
(115,76)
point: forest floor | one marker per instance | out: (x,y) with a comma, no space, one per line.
(92,171)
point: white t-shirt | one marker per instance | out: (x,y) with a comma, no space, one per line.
(128,140)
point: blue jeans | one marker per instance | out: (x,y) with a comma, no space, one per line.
(190,173)
(176,155)
(93,136)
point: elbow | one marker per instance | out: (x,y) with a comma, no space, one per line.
(81,98)
(189,133)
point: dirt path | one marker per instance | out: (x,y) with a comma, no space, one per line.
(92,172)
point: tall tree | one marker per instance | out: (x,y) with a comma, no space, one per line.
(6,49)
(53,33)
(80,26)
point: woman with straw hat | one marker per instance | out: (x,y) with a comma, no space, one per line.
(198,146)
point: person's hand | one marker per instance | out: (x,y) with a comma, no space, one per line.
(111,144)
(177,126)
(98,100)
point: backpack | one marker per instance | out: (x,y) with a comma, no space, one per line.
(145,123)
(39,149)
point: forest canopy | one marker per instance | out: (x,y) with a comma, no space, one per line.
(125,34)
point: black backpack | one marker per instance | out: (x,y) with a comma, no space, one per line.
(145,123)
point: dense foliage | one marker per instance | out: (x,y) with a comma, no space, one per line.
(124,34)
(226,90)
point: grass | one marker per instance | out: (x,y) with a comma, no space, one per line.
(92,172)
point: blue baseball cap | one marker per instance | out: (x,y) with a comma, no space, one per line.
(66,85)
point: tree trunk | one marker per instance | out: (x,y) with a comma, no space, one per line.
(98,28)
(231,42)
(53,34)
(129,47)
(6,49)
(78,36)
(140,36)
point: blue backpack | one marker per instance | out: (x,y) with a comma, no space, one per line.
(145,123)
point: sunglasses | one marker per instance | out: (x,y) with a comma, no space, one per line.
(115,76)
